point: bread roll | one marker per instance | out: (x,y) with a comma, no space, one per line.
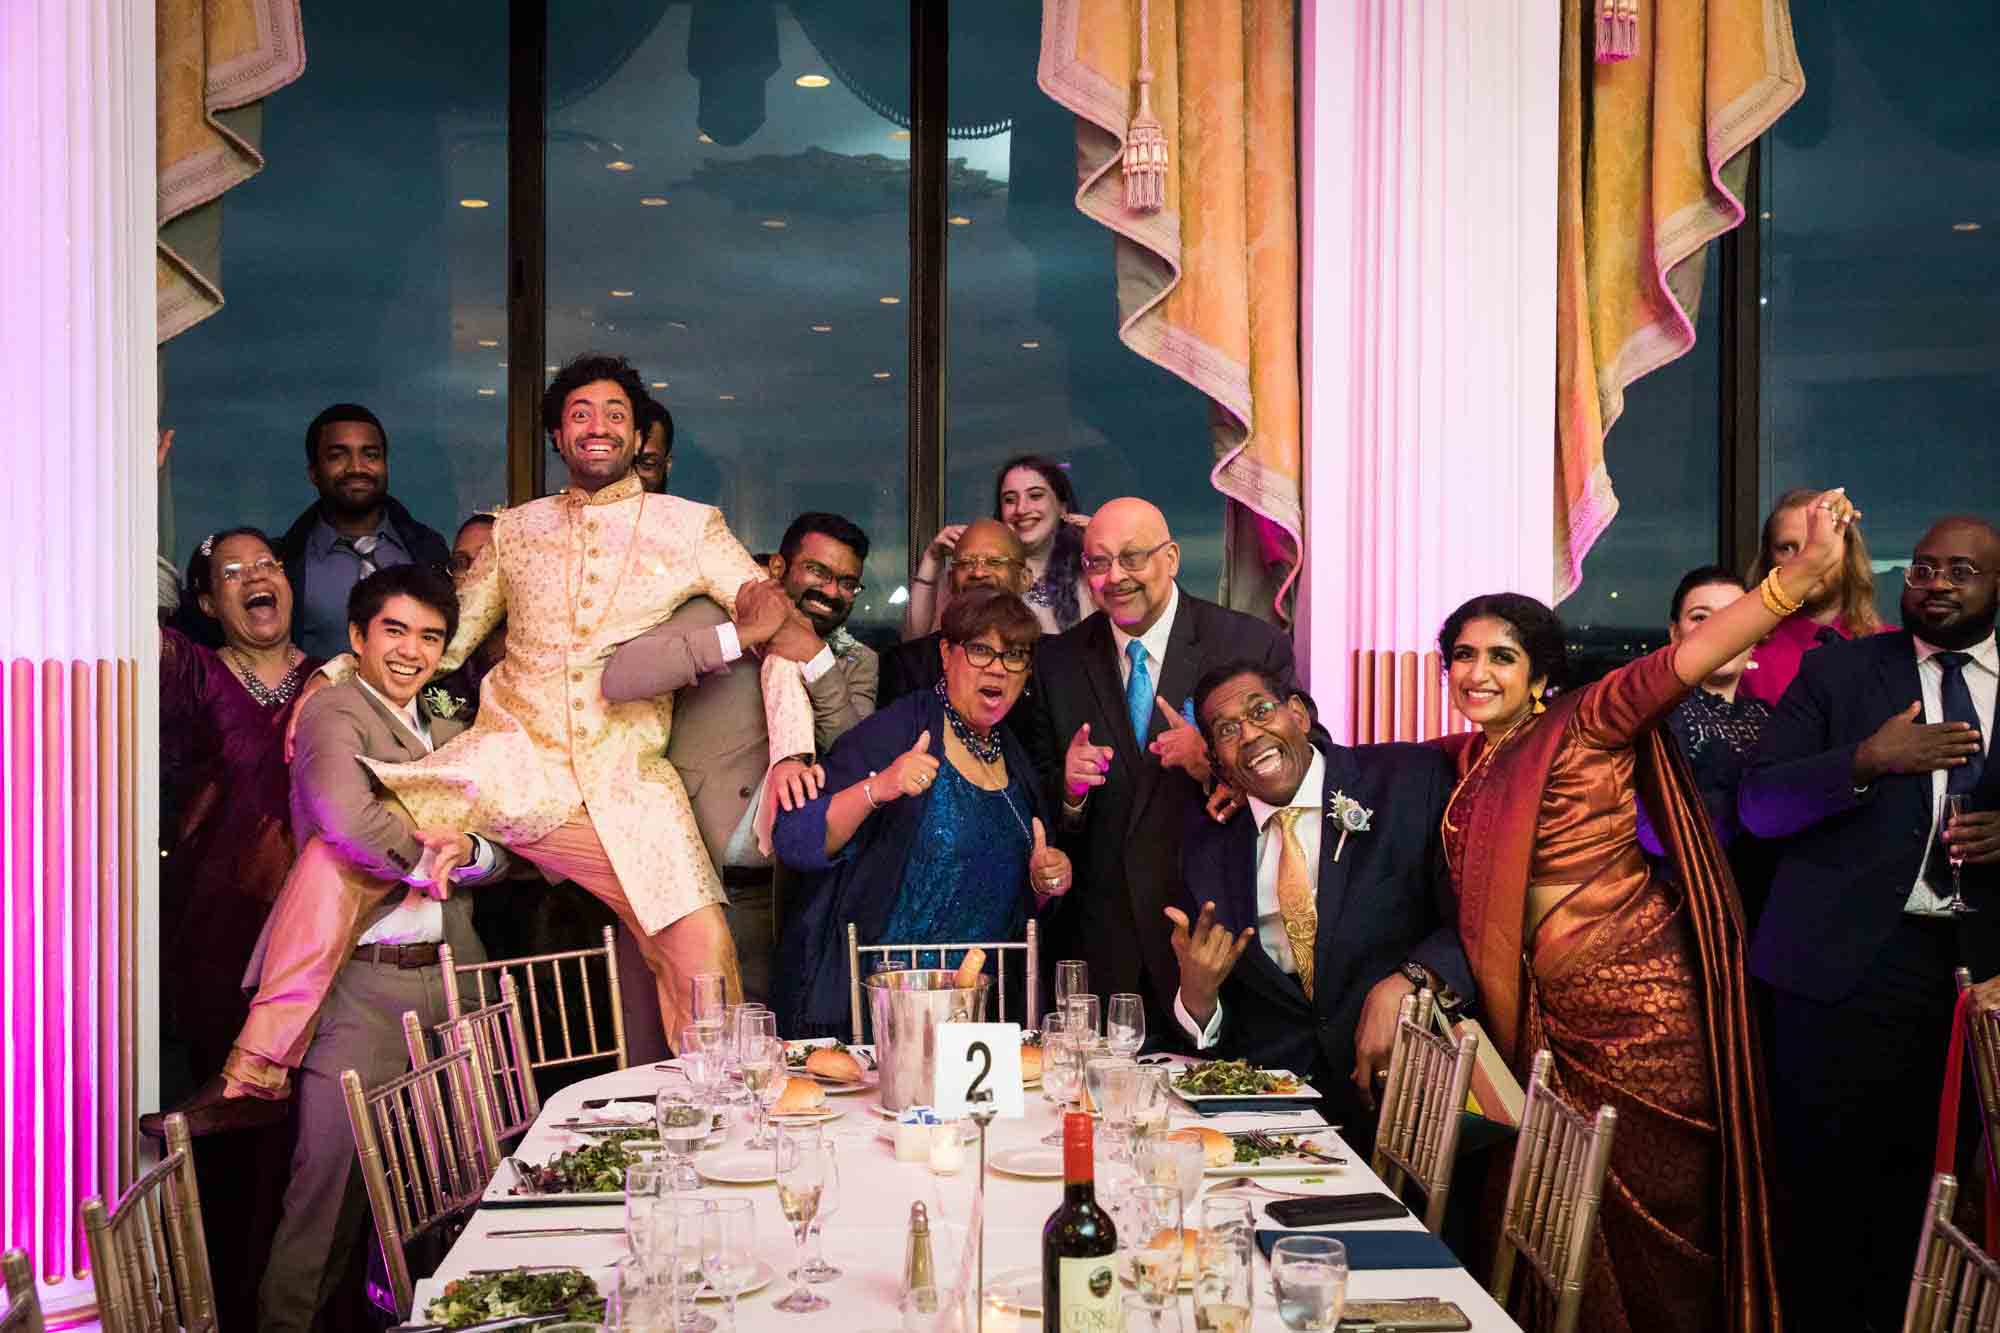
(1216,1147)
(1190,1248)
(839,1066)
(800,1095)
(1031,1063)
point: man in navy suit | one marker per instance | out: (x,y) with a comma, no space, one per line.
(1109,699)
(1859,938)
(1322,902)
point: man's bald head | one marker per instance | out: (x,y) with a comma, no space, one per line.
(1953,588)
(989,555)
(1131,531)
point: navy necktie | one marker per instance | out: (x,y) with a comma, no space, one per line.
(1958,708)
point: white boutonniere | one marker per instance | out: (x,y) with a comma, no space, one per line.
(1351,815)
(441,703)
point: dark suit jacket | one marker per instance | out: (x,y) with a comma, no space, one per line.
(424,544)
(1847,861)
(1126,845)
(860,882)
(1385,900)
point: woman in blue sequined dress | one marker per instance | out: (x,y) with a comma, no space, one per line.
(929,826)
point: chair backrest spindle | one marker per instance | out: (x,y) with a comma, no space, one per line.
(1029,947)
(538,1048)
(1416,1137)
(149,1254)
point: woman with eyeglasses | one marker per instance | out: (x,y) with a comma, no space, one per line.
(226,846)
(1032,495)
(929,827)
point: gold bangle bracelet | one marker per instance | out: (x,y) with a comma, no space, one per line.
(1775,598)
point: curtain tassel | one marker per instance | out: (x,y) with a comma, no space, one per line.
(1145,141)
(1617,30)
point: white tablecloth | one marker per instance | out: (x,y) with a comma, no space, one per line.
(865,1237)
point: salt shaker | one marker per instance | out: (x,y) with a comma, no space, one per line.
(919,1271)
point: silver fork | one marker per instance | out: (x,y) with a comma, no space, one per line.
(1245,1183)
(1262,1139)
(524,1178)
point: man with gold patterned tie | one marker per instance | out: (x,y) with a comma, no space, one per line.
(1317,906)
(564,778)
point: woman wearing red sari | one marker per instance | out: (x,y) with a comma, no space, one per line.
(1635,983)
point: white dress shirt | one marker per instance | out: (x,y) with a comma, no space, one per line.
(1271,934)
(1982,674)
(1155,640)
(419,919)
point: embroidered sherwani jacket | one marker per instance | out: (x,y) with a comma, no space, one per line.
(575,576)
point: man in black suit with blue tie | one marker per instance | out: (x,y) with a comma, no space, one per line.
(1861,933)
(1321,903)
(1112,699)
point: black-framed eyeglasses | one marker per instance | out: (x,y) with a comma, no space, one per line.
(1230,729)
(1958,573)
(820,574)
(1129,561)
(1015,660)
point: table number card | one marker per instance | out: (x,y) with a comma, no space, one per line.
(978,1057)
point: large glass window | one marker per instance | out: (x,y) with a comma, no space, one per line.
(728,206)
(365,263)
(1664,458)
(1881,246)
(1035,364)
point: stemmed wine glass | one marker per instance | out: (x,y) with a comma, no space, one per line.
(763,1060)
(804,1161)
(710,994)
(1153,1213)
(681,1244)
(1086,1013)
(817,1269)
(1125,1024)
(704,1061)
(1954,806)
(1109,1079)
(1061,1076)
(729,1250)
(682,1118)
(1222,1297)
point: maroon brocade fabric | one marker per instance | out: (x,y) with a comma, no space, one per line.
(1635,986)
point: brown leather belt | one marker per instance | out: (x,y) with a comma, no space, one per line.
(398,955)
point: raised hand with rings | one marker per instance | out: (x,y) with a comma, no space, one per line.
(912,773)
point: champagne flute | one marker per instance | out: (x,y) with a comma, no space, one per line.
(1954,806)
(729,1250)
(703,1061)
(1125,1023)
(1086,1011)
(1155,1213)
(1060,1075)
(1107,1079)
(709,998)
(1072,978)
(1309,1274)
(1150,1100)
(1222,1280)
(817,1269)
(802,1168)
(763,1060)
(684,1225)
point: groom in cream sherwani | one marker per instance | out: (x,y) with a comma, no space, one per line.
(575,784)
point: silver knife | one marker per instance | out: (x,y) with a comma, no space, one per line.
(559,1231)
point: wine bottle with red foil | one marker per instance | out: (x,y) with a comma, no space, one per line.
(1079,1246)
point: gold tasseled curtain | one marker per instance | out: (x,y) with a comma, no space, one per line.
(1652,160)
(1208,285)
(216,60)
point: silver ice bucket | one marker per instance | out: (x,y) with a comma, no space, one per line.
(907,1004)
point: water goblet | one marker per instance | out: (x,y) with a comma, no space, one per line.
(683,1229)
(1154,1213)
(729,1250)
(1061,1077)
(1150,1101)
(803,1159)
(1108,1079)
(1085,1011)
(683,1120)
(1309,1275)
(1222,1277)
(1125,1023)
(710,997)
(763,1060)
(1175,1163)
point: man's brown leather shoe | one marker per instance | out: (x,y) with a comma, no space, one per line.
(208,1111)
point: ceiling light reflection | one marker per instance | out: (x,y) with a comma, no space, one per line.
(489,342)
(1965,226)
(472,203)
(618,164)
(822,328)
(620,291)
(812,81)
(652,201)
(890,300)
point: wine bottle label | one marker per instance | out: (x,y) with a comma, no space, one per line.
(1088,1295)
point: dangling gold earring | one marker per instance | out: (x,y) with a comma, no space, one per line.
(1540,707)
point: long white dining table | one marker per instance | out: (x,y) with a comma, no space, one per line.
(865,1237)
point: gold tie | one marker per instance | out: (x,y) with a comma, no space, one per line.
(1295,895)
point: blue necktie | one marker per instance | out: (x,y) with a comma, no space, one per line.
(1958,708)
(1139,690)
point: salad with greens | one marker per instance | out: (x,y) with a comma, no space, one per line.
(598,1168)
(1234,1078)
(475,1300)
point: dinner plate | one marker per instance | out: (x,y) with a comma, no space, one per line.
(766,1272)
(1288,1166)
(1018,1290)
(819,1115)
(746,1166)
(500,1193)
(1036,1163)
(836,1087)
(1304,1092)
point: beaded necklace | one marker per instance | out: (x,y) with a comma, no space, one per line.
(268,696)
(986,749)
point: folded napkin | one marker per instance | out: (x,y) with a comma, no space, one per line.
(618,1113)
(1229,1105)
(1377,1249)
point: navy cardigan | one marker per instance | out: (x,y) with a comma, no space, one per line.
(860,882)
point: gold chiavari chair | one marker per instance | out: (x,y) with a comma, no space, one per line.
(502,1041)
(1553,1195)
(1030,949)
(1984,1031)
(149,1254)
(549,967)
(427,1147)
(24,1298)
(1956,1285)
(1416,1136)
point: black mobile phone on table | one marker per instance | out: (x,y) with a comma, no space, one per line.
(1335,1208)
